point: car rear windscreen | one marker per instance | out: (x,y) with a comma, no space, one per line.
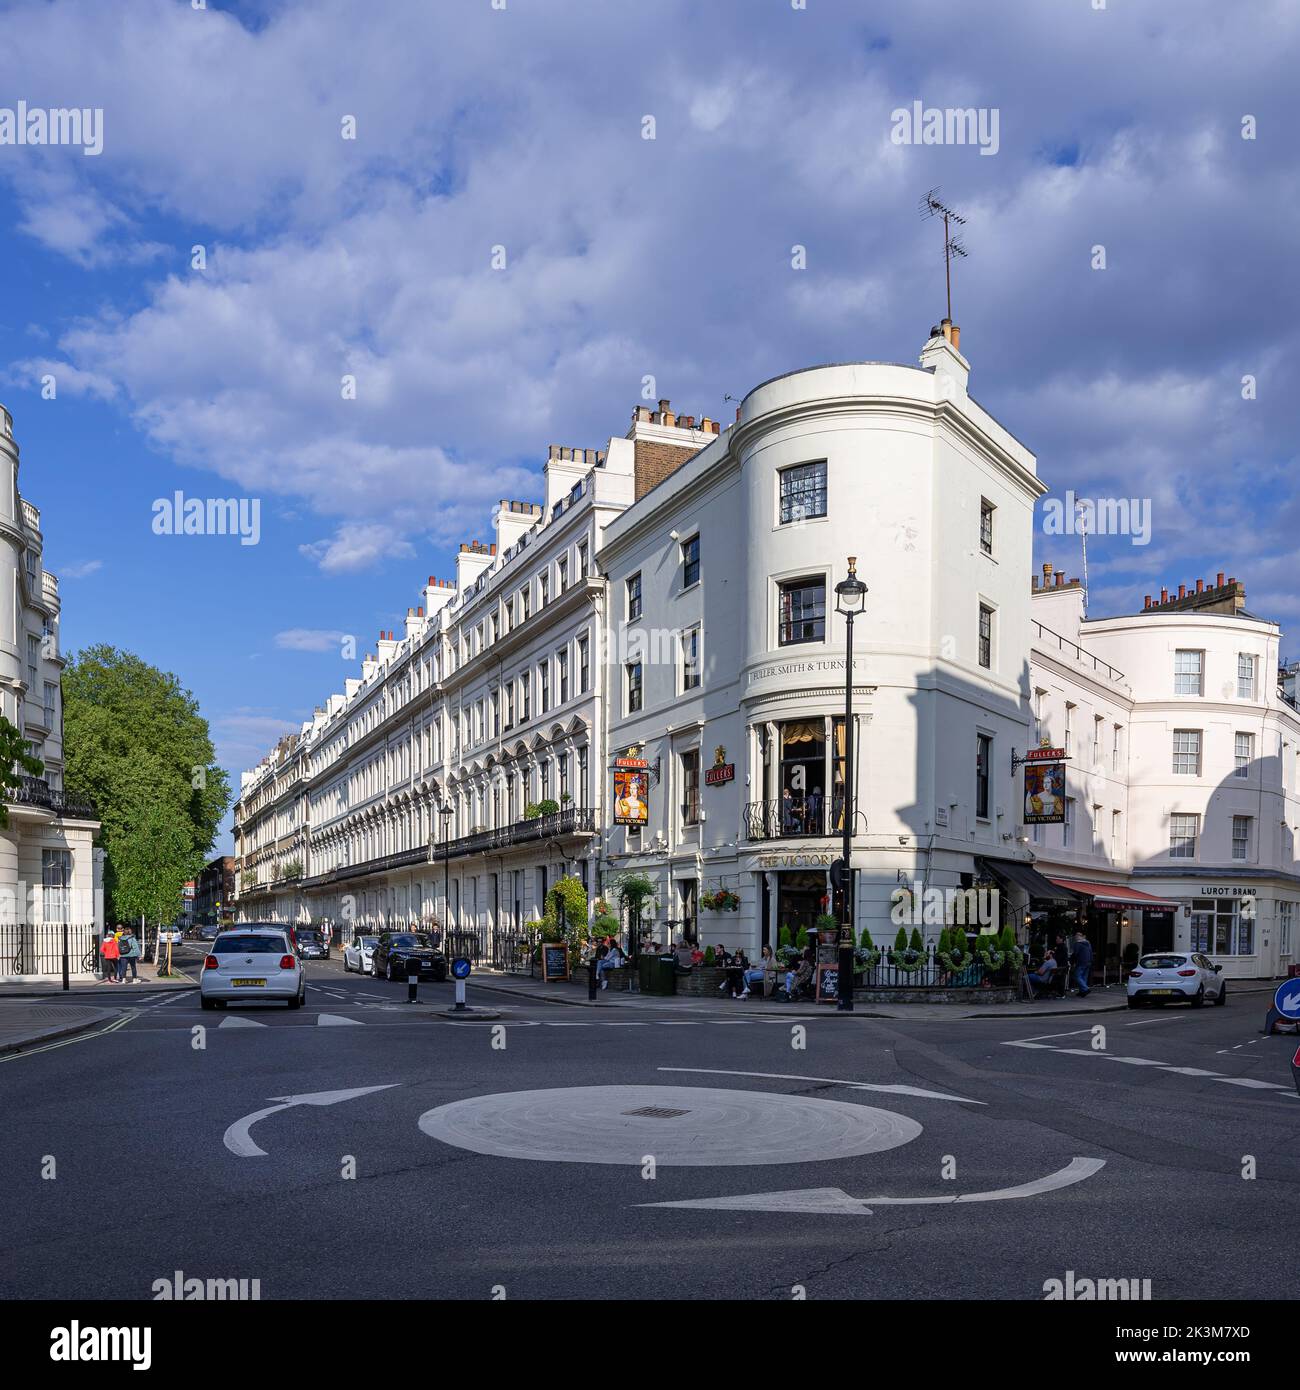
(250,945)
(1162,962)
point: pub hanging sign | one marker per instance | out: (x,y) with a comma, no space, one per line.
(631,780)
(1044,793)
(721,771)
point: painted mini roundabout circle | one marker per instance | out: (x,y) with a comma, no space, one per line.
(682,1126)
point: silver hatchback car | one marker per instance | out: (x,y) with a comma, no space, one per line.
(253,962)
(1164,976)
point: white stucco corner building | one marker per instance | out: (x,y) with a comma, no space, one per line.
(50,872)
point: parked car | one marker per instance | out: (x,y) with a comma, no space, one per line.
(313,943)
(1162,977)
(359,955)
(208,931)
(253,962)
(172,934)
(394,949)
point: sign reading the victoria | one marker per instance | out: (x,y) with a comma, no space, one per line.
(1044,793)
(630,800)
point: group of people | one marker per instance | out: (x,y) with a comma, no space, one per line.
(1076,957)
(119,951)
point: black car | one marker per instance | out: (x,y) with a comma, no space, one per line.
(209,931)
(312,943)
(396,948)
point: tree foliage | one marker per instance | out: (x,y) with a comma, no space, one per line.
(136,745)
(16,762)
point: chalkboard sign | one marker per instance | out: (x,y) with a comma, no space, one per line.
(828,983)
(555,961)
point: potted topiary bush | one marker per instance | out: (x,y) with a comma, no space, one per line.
(828,929)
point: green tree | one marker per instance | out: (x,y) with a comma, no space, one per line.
(16,761)
(136,745)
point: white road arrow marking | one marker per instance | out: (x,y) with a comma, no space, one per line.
(830,1080)
(241,1023)
(334,1020)
(240,1142)
(834,1201)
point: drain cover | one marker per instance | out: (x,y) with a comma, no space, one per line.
(657,1112)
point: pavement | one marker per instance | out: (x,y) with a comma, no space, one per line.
(1102,999)
(362,1147)
(52,987)
(28,1024)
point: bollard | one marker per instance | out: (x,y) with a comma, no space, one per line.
(412,981)
(591,978)
(66,984)
(844,981)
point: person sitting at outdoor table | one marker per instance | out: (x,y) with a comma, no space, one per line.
(1042,976)
(685,955)
(761,973)
(737,964)
(799,976)
(610,960)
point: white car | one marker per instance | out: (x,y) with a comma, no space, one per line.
(253,962)
(359,955)
(1164,976)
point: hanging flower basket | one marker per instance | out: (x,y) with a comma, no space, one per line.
(865,958)
(724,900)
(907,960)
(957,960)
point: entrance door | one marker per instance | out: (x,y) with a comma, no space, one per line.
(799,899)
(1157,930)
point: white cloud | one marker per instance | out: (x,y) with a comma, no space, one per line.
(82,570)
(309,639)
(357,547)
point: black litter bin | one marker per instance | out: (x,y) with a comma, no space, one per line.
(657,974)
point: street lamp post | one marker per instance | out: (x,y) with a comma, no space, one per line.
(850,600)
(446,813)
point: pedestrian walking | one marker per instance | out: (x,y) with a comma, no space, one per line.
(1082,964)
(128,953)
(110,952)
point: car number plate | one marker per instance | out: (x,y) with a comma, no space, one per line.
(248,982)
(1161,991)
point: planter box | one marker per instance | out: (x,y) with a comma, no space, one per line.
(931,995)
(702,980)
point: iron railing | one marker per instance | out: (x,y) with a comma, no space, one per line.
(795,817)
(36,791)
(36,948)
(927,972)
(1084,658)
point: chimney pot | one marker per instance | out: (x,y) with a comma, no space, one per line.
(1033,581)
(1219,581)
(1060,578)
(1182,591)
(1146,601)
(1200,586)
(1164,594)
(663,407)
(955,337)
(1231,581)
(419,612)
(738,415)
(1047,568)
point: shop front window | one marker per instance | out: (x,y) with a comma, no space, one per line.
(1223,926)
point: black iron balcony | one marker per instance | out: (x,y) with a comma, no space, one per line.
(795,818)
(37,792)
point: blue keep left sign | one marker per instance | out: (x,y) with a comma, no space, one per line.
(460,968)
(1287,999)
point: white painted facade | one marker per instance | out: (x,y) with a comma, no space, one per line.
(488,706)
(50,872)
(909,460)
(1218,743)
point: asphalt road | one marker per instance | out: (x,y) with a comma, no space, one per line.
(153,1172)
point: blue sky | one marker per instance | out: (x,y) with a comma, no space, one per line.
(479,127)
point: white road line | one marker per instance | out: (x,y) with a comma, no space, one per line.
(240,1142)
(335,1020)
(238,1022)
(831,1080)
(834,1201)
(1148,1062)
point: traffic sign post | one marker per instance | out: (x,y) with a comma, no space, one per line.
(1285,1007)
(460,969)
